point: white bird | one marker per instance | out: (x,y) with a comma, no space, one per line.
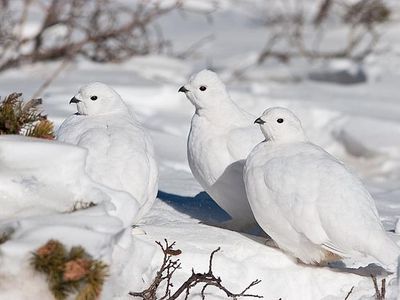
(313,207)
(221,136)
(120,152)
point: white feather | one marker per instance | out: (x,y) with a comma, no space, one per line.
(120,152)
(221,136)
(308,201)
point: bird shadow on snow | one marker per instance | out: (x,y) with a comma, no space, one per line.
(200,207)
(367,271)
(203,208)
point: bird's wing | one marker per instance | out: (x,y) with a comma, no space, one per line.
(334,249)
(297,199)
(348,213)
(320,198)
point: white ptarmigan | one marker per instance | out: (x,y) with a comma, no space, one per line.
(120,152)
(221,136)
(307,201)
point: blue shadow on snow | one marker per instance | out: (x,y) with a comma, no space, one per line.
(200,207)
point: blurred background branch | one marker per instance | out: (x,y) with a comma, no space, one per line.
(99,30)
(301,30)
(110,31)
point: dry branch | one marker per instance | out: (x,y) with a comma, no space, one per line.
(291,30)
(379,293)
(168,268)
(100,30)
(349,293)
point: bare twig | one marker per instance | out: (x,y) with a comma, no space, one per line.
(379,293)
(195,46)
(208,279)
(100,30)
(52,77)
(383,288)
(349,293)
(168,266)
(323,12)
(292,29)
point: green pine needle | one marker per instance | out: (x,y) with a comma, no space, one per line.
(25,118)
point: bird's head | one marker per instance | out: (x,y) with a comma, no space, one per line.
(97,98)
(205,89)
(279,124)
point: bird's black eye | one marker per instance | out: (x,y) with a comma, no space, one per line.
(203,88)
(280,120)
(93,98)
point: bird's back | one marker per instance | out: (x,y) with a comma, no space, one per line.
(121,155)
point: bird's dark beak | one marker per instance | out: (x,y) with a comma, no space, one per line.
(259,121)
(74,100)
(183,89)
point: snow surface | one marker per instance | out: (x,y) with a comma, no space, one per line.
(359,124)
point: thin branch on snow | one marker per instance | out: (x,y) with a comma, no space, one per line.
(349,293)
(168,268)
(379,293)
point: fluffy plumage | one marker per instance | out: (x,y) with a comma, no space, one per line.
(221,136)
(307,201)
(121,154)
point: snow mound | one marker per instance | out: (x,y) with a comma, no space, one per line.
(102,237)
(40,177)
(41,183)
(368,137)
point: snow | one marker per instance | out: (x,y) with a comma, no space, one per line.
(359,124)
